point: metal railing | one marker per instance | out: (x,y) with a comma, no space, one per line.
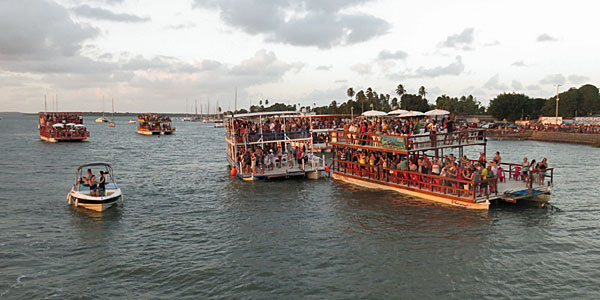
(465,190)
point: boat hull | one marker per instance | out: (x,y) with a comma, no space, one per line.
(156,132)
(56,140)
(94,203)
(411,192)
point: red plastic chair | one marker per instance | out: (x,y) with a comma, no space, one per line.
(516,173)
(501,175)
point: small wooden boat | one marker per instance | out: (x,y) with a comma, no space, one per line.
(80,194)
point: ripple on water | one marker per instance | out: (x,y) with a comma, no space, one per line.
(188,230)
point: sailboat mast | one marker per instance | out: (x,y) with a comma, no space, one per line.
(102,106)
(196,108)
(45,104)
(113,109)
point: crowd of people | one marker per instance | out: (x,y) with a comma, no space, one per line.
(49,119)
(154,118)
(258,159)
(571,128)
(458,176)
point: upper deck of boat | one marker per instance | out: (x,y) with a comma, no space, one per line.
(408,143)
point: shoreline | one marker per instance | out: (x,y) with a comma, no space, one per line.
(589,139)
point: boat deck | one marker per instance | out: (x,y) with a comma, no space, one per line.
(286,170)
(517,190)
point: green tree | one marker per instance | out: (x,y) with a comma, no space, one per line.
(422,92)
(267,102)
(395,103)
(400,90)
(510,106)
(574,102)
(414,102)
(350,93)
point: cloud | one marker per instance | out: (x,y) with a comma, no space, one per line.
(492,44)
(494,83)
(455,68)
(516,85)
(299,23)
(554,79)
(518,63)
(578,79)
(361,68)
(341,81)
(462,40)
(181,26)
(386,54)
(544,37)
(324,68)
(533,87)
(105,14)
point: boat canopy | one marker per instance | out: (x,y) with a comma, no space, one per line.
(79,125)
(70,124)
(259,114)
(58,125)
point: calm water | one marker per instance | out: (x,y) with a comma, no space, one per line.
(189,230)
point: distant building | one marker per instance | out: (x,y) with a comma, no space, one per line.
(475,118)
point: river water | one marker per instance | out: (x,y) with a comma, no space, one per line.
(188,230)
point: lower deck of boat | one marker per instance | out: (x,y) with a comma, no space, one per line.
(283,170)
(510,190)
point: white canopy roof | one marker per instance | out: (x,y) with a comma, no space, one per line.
(70,124)
(412,113)
(397,112)
(269,113)
(374,113)
(58,125)
(437,112)
(79,125)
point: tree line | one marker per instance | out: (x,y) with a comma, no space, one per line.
(510,106)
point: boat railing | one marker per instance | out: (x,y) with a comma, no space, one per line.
(268,136)
(515,171)
(409,142)
(465,190)
(449,139)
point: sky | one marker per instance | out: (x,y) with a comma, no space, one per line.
(165,56)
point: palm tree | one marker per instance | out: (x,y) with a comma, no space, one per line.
(260,102)
(350,93)
(422,92)
(267,102)
(400,90)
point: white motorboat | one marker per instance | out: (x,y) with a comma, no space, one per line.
(79,196)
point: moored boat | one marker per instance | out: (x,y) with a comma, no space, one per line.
(62,127)
(153,124)
(94,198)
(403,163)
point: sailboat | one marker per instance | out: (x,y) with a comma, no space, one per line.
(112,122)
(196,118)
(102,119)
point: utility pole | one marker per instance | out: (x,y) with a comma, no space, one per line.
(557,99)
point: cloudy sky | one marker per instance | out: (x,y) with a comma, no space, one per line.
(152,55)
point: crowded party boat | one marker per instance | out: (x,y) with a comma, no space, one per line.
(62,127)
(271,145)
(151,124)
(96,192)
(417,157)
